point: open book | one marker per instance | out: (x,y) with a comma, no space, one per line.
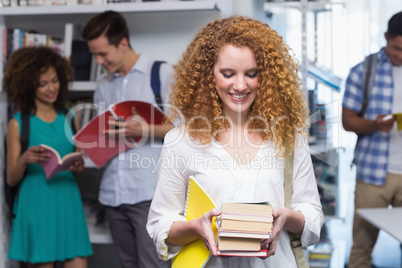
(56,164)
(195,254)
(100,147)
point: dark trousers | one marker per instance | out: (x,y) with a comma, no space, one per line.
(134,246)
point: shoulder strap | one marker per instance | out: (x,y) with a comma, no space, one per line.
(70,118)
(369,69)
(156,82)
(25,129)
(24,132)
(295,242)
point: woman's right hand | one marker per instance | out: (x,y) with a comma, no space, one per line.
(205,229)
(34,154)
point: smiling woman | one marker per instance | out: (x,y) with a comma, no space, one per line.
(236,80)
(49,222)
(237,99)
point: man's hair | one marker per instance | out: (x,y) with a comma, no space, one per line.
(110,23)
(395,25)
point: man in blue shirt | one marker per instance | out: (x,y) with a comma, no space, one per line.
(378,152)
(129,180)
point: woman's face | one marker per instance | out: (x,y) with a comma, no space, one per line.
(48,89)
(235,73)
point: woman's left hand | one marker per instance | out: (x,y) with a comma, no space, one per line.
(279,222)
(78,166)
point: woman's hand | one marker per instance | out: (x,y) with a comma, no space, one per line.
(184,232)
(34,154)
(78,166)
(205,229)
(279,222)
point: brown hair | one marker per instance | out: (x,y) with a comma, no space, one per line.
(22,74)
(279,110)
(110,23)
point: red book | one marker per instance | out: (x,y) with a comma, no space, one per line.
(100,147)
(56,164)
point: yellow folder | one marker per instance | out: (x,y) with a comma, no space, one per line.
(195,254)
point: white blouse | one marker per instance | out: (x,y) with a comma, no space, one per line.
(253,180)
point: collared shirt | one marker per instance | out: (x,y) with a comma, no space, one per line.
(130,177)
(371,155)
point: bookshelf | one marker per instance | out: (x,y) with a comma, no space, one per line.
(156,6)
(159,29)
(142,19)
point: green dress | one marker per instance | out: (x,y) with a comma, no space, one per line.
(49,223)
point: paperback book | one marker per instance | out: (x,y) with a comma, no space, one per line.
(242,227)
(56,164)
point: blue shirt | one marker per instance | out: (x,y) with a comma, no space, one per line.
(371,155)
(130,177)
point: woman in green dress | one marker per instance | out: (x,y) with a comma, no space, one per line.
(48,217)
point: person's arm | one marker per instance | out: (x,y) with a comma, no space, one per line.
(184,232)
(16,163)
(353,122)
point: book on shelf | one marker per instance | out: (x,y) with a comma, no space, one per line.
(71,32)
(198,202)
(81,60)
(99,147)
(242,227)
(56,164)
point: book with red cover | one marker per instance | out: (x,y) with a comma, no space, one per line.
(100,147)
(56,164)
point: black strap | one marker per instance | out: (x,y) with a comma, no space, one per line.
(368,74)
(70,118)
(156,83)
(24,132)
(369,68)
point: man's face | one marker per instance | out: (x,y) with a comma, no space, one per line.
(394,49)
(107,55)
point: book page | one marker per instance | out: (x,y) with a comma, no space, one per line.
(55,165)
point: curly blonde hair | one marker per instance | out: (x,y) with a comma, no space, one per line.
(279,110)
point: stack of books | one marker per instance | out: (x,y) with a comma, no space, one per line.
(242,227)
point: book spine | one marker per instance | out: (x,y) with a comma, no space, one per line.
(188,193)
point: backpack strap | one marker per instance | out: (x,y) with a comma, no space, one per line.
(156,82)
(369,70)
(70,118)
(24,131)
(368,75)
(295,242)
